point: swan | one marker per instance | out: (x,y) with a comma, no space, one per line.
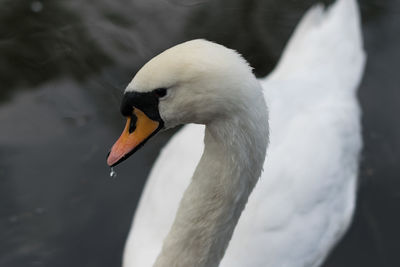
(227,211)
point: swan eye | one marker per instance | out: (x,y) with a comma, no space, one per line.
(160,92)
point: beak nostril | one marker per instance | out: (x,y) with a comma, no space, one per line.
(132,124)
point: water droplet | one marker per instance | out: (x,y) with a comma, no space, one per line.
(39,211)
(13,219)
(113,173)
(36,6)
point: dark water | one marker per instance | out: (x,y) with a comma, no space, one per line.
(63,66)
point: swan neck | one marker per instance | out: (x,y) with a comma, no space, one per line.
(223,180)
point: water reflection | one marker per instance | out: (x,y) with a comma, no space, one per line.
(42,41)
(64,65)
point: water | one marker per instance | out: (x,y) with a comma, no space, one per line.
(113,174)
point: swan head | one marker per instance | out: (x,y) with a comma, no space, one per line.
(194,82)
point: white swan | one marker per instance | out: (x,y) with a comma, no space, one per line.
(304,200)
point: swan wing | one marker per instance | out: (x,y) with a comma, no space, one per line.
(304,201)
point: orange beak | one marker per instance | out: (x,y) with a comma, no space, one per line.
(132,138)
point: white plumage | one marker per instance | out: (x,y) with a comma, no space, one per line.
(304,200)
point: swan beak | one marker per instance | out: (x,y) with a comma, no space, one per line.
(138,129)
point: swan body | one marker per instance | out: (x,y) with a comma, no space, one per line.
(304,201)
